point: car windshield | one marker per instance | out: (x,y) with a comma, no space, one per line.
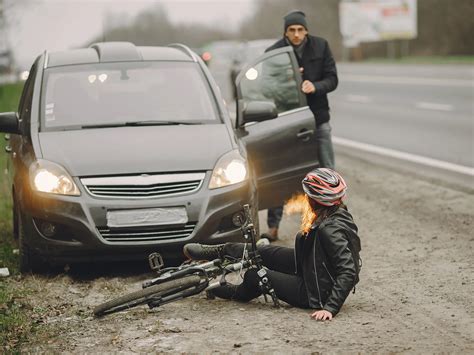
(125,93)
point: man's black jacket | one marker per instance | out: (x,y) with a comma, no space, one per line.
(319,68)
(324,260)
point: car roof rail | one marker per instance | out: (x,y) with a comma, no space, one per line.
(184,49)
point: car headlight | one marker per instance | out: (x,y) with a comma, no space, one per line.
(49,177)
(230,169)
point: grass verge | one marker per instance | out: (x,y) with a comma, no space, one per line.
(10,97)
(15,324)
(15,316)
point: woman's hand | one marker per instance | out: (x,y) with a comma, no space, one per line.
(322,315)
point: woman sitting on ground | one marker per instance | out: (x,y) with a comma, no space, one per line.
(320,271)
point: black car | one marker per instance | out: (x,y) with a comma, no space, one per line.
(119,150)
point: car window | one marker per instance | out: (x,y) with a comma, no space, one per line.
(274,80)
(114,93)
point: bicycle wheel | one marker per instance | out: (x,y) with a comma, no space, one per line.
(143,296)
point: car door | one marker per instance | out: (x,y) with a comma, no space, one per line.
(283,149)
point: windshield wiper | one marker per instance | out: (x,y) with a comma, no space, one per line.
(140,123)
(160,123)
(103,125)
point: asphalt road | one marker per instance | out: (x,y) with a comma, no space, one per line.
(425,110)
(422,110)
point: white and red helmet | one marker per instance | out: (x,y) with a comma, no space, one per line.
(325,186)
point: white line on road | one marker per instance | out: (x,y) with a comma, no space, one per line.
(359,99)
(405,156)
(434,106)
(406,80)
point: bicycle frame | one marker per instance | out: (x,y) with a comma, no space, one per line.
(211,270)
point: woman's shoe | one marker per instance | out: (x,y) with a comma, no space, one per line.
(196,251)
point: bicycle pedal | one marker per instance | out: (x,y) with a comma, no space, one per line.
(155,260)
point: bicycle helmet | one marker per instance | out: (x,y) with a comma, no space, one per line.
(325,186)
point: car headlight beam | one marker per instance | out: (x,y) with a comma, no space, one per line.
(52,178)
(230,169)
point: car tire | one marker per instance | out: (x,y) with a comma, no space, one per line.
(29,261)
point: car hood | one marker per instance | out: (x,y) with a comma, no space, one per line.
(129,150)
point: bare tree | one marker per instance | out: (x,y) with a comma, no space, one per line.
(153,27)
(445,27)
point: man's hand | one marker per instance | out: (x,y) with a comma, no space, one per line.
(322,315)
(308,87)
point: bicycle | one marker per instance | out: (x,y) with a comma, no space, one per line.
(194,277)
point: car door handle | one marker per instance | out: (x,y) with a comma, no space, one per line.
(8,149)
(7,136)
(305,134)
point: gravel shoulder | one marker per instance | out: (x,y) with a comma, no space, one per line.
(415,294)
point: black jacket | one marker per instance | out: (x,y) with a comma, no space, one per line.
(319,68)
(325,262)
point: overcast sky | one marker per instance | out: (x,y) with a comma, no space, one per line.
(37,25)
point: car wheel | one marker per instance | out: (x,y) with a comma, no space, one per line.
(29,261)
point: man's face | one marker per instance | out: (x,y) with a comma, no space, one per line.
(296,34)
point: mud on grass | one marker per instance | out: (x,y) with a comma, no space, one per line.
(19,319)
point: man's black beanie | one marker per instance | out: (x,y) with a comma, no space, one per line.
(295,17)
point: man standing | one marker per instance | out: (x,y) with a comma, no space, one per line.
(319,73)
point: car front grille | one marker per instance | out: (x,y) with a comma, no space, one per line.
(143,186)
(146,234)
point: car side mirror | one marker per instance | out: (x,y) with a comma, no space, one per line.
(258,111)
(9,123)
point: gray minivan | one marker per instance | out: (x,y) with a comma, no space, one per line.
(118,150)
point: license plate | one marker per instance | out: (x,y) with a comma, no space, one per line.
(147,217)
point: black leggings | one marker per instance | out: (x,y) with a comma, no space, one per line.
(280,262)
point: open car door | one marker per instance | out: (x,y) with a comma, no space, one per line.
(276,125)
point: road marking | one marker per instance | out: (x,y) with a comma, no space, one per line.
(359,99)
(405,156)
(434,106)
(406,80)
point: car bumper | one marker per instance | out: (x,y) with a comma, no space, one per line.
(82,234)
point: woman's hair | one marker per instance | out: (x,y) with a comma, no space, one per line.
(313,213)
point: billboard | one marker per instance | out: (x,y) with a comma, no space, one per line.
(377,20)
